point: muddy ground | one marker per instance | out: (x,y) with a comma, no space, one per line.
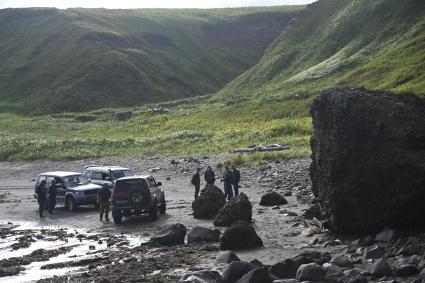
(279,227)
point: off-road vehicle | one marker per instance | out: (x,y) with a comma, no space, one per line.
(137,195)
(73,188)
(101,175)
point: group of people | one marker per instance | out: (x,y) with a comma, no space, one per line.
(46,197)
(231,179)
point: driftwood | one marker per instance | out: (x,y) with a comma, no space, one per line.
(254,148)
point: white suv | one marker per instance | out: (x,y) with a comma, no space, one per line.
(106,174)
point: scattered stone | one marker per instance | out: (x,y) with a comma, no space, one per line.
(310,272)
(256,263)
(341,261)
(313,211)
(310,257)
(240,236)
(170,235)
(380,268)
(202,234)
(272,198)
(209,202)
(259,275)
(205,276)
(227,257)
(288,213)
(237,209)
(366,186)
(373,252)
(235,270)
(404,268)
(284,269)
(387,235)
(353,276)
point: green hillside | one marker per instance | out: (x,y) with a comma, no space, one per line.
(376,44)
(83,59)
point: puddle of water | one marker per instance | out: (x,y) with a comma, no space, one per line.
(79,250)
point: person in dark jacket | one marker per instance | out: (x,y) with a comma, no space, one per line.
(196,181)
(228,179)
(209,176)
(53,191)
(41,197)
(236,178)
(103,198)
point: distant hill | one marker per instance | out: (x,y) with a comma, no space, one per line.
(377,44)
(82,59)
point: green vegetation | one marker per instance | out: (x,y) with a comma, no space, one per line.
(188,128)
(376,44)
(79,60)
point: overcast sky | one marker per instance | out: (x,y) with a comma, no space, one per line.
(114,4)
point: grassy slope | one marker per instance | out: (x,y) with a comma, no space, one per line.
(376,44)
(370,43)
(83,59)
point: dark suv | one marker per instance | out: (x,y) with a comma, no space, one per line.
(137,195)
(73,188)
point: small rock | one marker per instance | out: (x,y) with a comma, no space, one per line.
(259,275)
(387,235)
(170,235)
(205,276)
(202,234)
(405,268)
(91,247)
(341,261)
(373,252)
(310,272)
(353,276)
(235,270)
(227,257)
(272,199)
(284,269)
(380,268)
(240,236)
(256,263)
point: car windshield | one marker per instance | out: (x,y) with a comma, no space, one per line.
(74,180)
(121,173)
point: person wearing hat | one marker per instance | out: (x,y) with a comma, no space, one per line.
(53,191)
(196,181)
(103,198)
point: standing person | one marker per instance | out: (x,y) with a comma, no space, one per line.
(196,181)
(209,176)
(236,178)
(228,180)
(103,197)
(53,191)
(41,197)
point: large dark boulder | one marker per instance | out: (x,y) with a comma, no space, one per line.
(237,209)
(272,198)
(235,270)
(170,235)
(240,236)
(209,202)
(368,167)
(204,276)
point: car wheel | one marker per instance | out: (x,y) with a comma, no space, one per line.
(163,207)
(136,196)
(70,204)
(117,216)
(153,213)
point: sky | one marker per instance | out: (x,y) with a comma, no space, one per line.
(131,4)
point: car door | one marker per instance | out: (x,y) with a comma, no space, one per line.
(97,178)
(60,197)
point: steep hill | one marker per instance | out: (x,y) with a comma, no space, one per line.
(376,44)
(82,59)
